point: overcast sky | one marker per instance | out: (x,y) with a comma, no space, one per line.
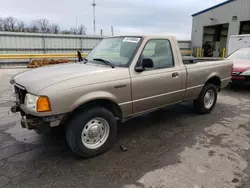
(127,16)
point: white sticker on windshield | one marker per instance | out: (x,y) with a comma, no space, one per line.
(131,39)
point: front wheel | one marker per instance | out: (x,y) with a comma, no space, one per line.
(92,132)
(207,99)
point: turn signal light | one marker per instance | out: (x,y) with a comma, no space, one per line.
(43,104)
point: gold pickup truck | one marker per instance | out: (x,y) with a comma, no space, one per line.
(122,77)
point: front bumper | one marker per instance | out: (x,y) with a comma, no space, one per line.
(35,124)
(40,124)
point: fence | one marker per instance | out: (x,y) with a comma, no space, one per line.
(30,43)
(21,47)
(37,43)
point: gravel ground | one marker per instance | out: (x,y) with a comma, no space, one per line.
(172,148)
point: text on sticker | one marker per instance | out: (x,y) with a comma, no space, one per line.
(131,39)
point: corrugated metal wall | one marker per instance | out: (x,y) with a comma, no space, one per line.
(25,43)
(184,44)
(222,15)
(29,43)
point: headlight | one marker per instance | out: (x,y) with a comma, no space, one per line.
(30,101)
(37,103)
(246,73)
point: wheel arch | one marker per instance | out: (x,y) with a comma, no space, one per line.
(215,80)
(106,103)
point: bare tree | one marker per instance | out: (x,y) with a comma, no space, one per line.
(9,24)
(33,28)
(43,25)
(55,28)
(66,32)
(73,31)
(20,26)
(82,30)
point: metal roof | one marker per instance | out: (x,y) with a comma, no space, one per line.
(211,8)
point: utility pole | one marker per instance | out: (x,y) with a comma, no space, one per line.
(112,30)
(76,23)
(94,4)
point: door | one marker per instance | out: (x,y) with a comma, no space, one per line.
(161,85)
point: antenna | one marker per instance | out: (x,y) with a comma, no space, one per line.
(112,31)
(94,4)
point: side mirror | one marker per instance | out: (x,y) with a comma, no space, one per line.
(146,63)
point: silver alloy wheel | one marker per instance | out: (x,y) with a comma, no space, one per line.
(95,133)
(209,99)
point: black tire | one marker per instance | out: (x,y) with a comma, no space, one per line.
(75,128)
(199,104)
(58,131)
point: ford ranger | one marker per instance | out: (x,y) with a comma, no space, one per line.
(122,77)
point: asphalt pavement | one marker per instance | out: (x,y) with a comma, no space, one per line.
(172,148)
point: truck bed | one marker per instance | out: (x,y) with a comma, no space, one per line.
(199,73)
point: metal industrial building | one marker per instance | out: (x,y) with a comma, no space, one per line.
(216,24)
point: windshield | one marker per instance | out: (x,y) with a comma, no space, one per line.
(240,54)
(116,50)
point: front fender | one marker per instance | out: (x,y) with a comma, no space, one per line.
(96,95)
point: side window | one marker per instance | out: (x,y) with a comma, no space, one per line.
(160,51)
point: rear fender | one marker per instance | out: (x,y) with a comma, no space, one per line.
(212,75)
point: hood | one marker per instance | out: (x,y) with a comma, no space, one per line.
(241,65)
(37,79)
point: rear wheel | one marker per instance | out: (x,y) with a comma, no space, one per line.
(92,132)
(207,99)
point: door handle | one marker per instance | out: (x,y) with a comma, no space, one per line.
(175,74)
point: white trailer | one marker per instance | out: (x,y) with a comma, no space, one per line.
(238,41)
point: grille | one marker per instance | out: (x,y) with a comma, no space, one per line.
(20,94)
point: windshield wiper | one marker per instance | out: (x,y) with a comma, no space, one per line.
(104,61)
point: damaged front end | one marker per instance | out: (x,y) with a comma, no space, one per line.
(40,124)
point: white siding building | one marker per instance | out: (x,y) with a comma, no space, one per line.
(218,23)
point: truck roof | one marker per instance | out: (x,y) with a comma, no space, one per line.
(143,36)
